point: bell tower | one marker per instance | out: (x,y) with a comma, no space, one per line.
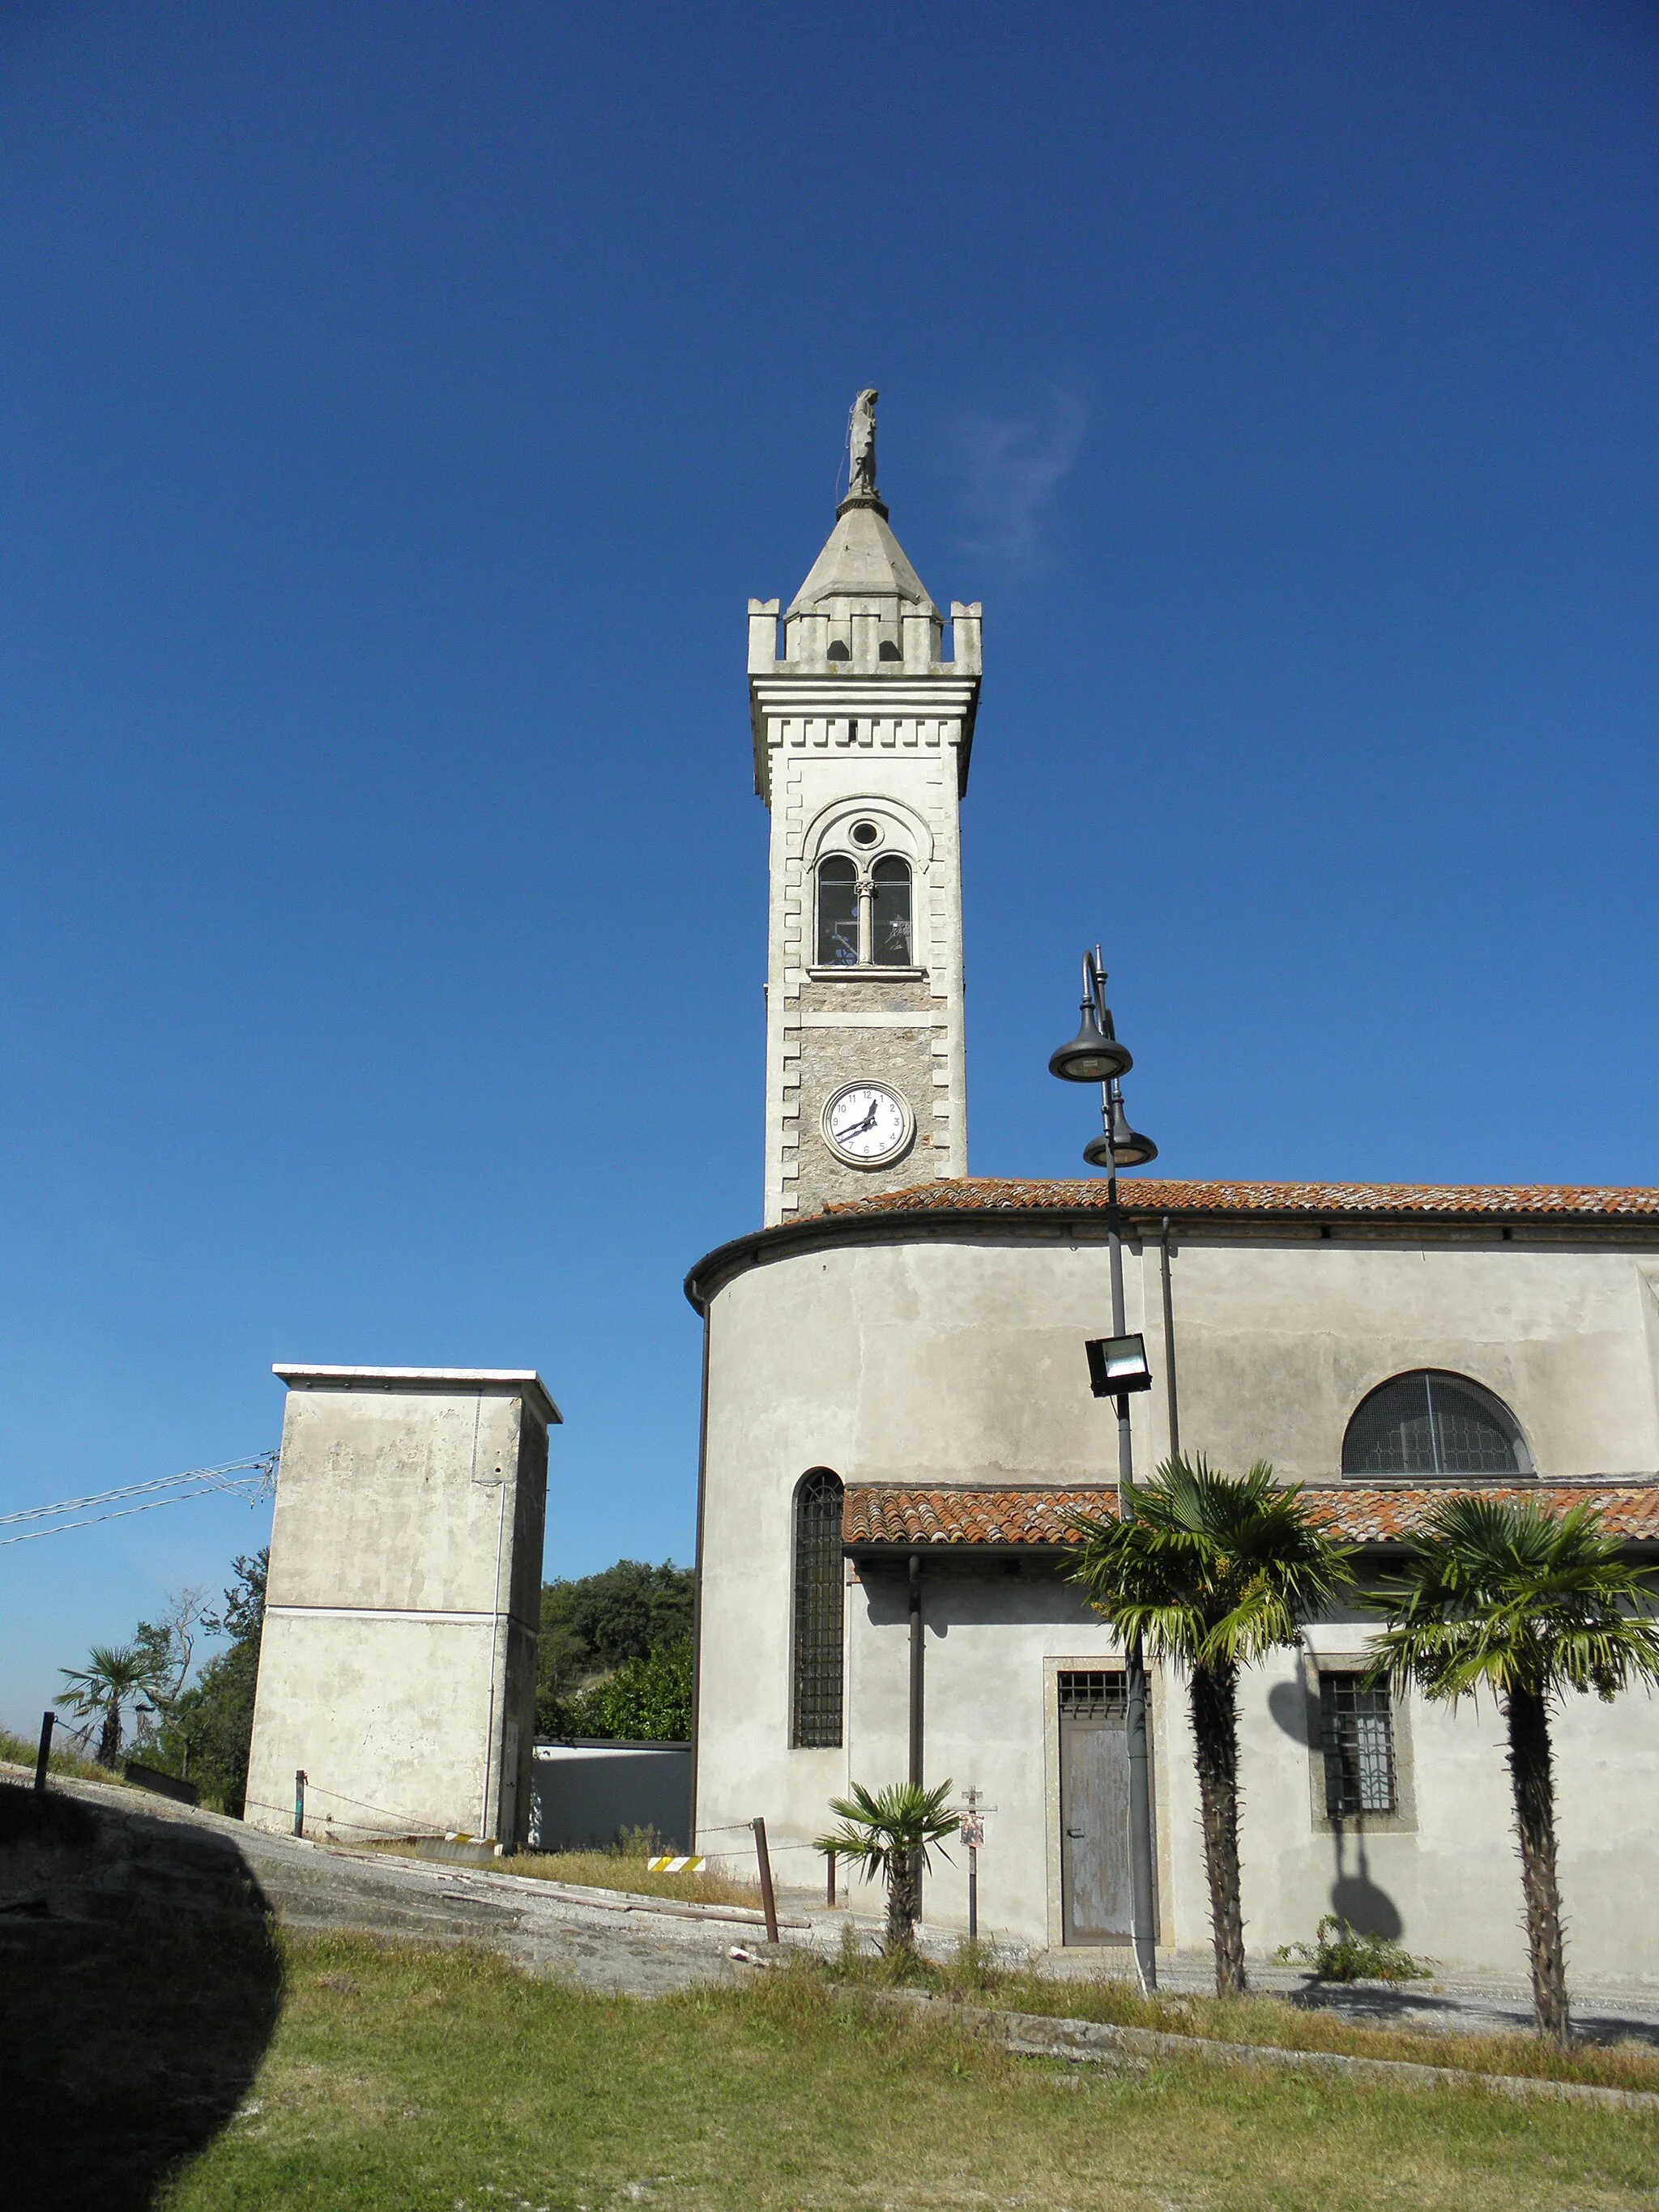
(862,726)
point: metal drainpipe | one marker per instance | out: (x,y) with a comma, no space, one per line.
(917,1661)
(1168,1348)
(917,1658)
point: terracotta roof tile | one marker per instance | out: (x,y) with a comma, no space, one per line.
(1002,1194)
(884,1513)
(880,1514)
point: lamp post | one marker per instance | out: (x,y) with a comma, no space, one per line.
(1117,1366)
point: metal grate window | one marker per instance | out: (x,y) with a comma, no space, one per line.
(819,1602)
(1093,1694)
(1357,1735)
(1429,1423)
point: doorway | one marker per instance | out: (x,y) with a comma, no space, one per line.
(1096,1894)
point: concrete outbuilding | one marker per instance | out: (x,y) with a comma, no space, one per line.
(398,1670)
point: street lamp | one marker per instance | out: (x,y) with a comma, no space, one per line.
(1117,1366)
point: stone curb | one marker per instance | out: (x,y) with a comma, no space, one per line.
(1097,2042)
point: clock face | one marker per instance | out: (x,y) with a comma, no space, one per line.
(867,1124)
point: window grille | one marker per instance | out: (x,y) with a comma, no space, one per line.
(838,912)
(1094,1693)
(1429,1424)
(1356,1731)
(819,1602)
(890,881)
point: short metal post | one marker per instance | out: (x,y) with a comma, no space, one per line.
(298,1801)
(769,1901)
(48,1721)
(829,1899)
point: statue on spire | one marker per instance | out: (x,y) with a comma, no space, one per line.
(861,448)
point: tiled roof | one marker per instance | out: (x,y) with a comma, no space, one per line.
(1001,1195)
(884,1513)
(881,1514)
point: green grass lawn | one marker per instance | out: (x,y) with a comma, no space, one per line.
(449,2080)
(976,1978)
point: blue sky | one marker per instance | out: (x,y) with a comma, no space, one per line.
(404,400)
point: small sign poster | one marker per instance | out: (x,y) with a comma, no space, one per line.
(973,1830)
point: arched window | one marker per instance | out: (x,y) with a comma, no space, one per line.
(839,650)
(815,1722)
(838,912)
(1433,1424)
(890,935)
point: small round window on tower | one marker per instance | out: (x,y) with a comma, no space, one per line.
(865,833)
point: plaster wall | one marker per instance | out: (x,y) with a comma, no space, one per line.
(397,1663)
(959,1361)
(1278,1341)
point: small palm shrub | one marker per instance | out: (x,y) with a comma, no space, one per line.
(890,1834)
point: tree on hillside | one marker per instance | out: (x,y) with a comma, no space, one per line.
(114,1676)
(206,1733)
(1508,1598)
(1215,1571)
(168,1649)
(595,1624)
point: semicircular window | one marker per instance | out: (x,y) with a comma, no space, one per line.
(1431,1423)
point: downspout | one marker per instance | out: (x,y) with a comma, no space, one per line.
(1168,1348)
(917,1663)
(917,1659)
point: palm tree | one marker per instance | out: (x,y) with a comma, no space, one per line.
(890,1834)
(1213,1571)
(114,1673)
(1508,1598)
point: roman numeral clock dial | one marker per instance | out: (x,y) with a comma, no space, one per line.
(867,1125)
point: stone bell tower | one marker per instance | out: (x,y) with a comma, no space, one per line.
(862,729)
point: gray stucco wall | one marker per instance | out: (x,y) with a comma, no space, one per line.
(583,1795)
(949,1362)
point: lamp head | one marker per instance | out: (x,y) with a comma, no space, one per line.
(1117,1364)
(1094,1054)
(1118,1144)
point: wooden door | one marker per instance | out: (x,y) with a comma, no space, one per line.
(1095,1895)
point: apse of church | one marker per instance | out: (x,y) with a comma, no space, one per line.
(863,715)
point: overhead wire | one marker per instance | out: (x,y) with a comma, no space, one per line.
(252,1479)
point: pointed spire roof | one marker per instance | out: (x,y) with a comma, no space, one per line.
(861,560)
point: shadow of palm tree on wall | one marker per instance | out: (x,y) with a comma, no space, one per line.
(139,1987)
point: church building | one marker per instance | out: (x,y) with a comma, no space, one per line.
(898,1417)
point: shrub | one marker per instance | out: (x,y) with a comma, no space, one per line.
(1340,1953)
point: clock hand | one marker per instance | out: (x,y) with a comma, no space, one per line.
(865,1123)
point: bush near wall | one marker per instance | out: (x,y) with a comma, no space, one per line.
(646,1700)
